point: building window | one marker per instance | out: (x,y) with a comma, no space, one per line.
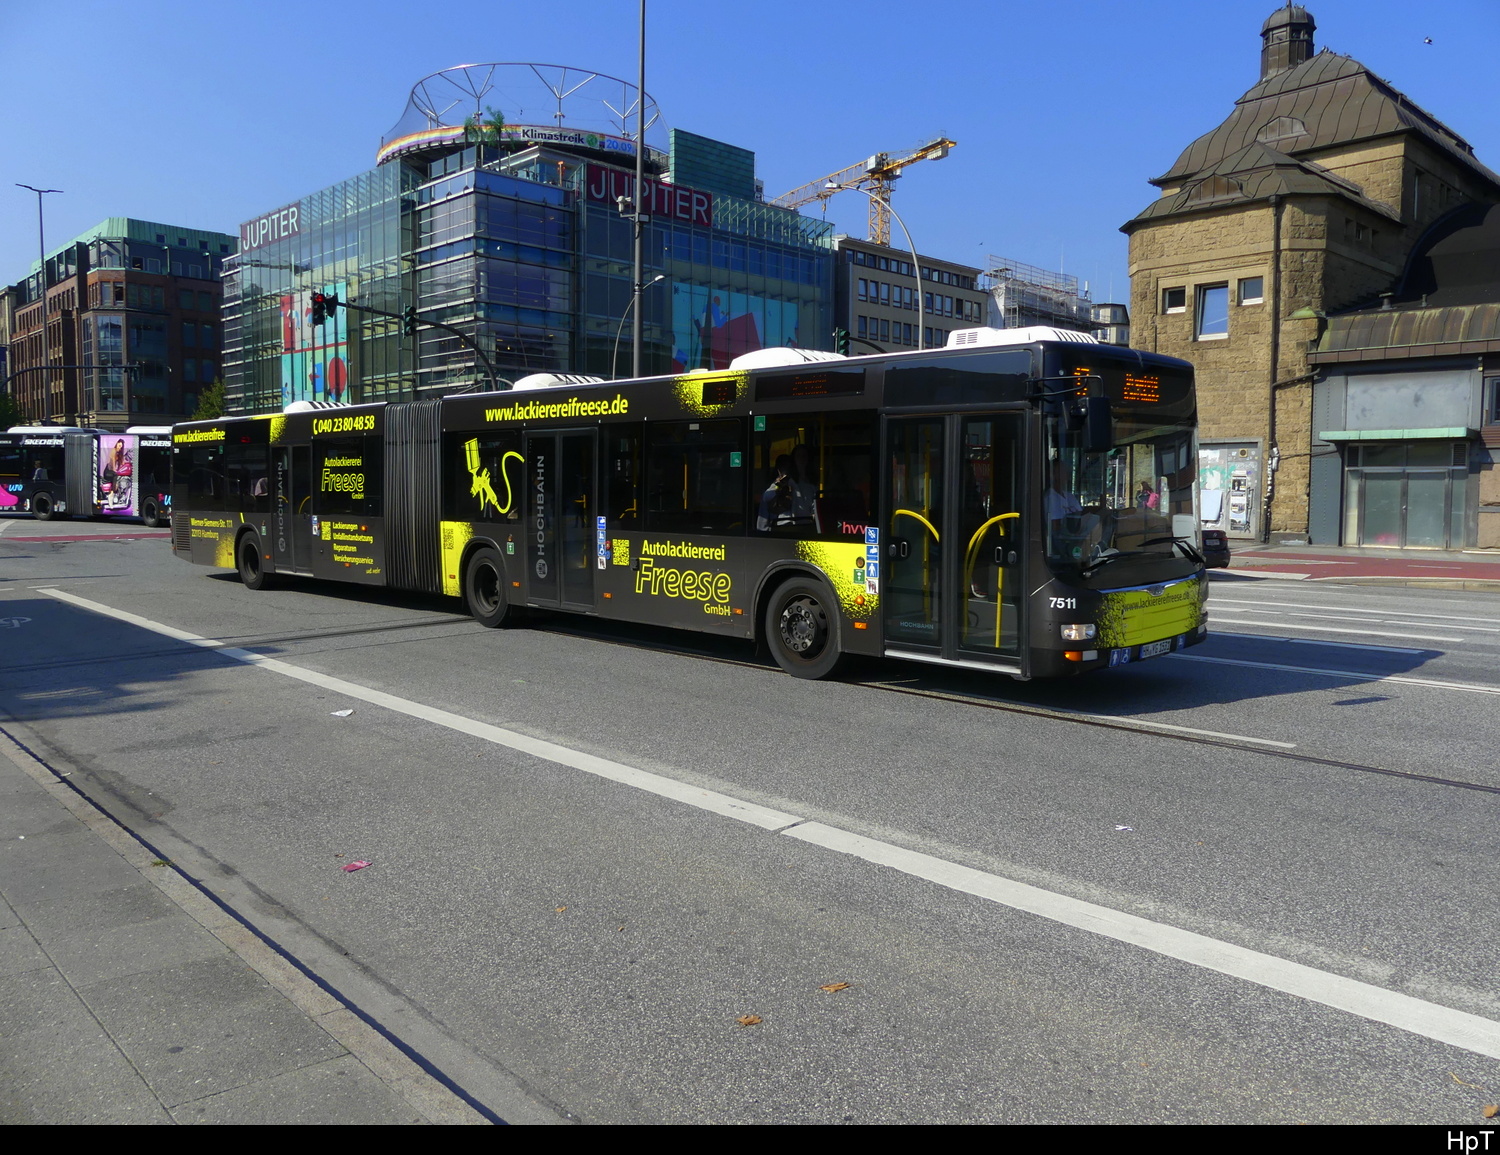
(1213,313)
(1492,401)
(1174,300)
(1252,290)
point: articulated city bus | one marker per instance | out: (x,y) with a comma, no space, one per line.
(68,471)
(1021,501)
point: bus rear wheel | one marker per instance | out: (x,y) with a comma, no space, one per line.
(41,507)
(802,631)
(150,516)
(484,588)
(251,565)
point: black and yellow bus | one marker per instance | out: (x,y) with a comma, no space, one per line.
(1022,501)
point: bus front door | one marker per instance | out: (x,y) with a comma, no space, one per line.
(558,516)
(292,547)
(953,538)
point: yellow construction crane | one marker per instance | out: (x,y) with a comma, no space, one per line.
(875,176)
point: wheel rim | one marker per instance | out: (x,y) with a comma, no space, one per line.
(804,627)
(486,586)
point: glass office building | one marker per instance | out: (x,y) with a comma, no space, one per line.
(514,236)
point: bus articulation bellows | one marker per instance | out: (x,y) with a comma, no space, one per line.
(1021,501)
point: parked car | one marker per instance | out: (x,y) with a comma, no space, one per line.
(1216,548)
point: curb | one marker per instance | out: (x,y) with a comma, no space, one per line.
(426,1095)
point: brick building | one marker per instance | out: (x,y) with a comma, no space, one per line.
(1308,200)
(137,302)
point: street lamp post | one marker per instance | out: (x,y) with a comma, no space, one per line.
(637,329)
(635,297)
(41,244)
(916,262)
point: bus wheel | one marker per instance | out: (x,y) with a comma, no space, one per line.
(149,517)
(801,630)
(250,564)
(484,588)
(41,507)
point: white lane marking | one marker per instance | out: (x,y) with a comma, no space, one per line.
(1403,679)
(1458,1028)
(628,775)
(1227,598)
(1339,630)
(1405,1012)
(1347,616)
(133,619)
(1314,641)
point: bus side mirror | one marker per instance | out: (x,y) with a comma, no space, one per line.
(1098,426)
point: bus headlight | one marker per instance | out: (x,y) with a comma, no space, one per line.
(1081,632)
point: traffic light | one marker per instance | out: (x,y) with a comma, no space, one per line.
(841,341)
(409,320)
(319,308)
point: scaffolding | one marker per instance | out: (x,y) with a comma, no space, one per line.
(1022,295)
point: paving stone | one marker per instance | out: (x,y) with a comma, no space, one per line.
(204,1027)
(56,1076)
(20,952)
(340,1091)
(33,999)
(138,902)
(90,954)
(61,865)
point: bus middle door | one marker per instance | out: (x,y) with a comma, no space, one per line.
(558,519)
(292,547)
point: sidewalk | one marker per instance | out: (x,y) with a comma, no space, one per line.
(1436,569)
(127,995)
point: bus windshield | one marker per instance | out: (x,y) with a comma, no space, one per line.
(1132,502)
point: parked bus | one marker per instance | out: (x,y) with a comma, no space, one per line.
(1021,501)
(68,471)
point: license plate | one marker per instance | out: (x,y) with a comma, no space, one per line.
(1153,649)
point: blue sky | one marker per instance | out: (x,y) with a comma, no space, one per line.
(206,114)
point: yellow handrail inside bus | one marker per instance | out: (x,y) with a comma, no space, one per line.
(913,513)
(973,556)
(926,568)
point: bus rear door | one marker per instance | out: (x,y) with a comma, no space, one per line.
(954,539)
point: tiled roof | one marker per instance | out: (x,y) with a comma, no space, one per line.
(1325,101)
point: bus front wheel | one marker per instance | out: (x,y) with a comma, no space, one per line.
(802,630)
(251,565)
(484,588)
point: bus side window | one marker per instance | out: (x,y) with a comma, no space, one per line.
(622,471)
(246,471)
(696,477)
(483,478)
(205,478)
(346,476)
(830,462)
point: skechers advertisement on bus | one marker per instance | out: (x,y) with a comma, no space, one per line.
(115,475)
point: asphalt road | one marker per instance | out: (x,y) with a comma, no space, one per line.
(1250,883)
